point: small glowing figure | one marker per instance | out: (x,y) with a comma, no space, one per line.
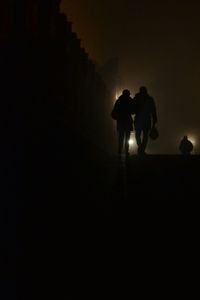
(186,146)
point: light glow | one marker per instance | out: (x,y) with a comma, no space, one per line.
(117,95)
(131,142)
(192,139)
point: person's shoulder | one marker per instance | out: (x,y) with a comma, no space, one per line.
(136,96)
(119,98)
(118,101)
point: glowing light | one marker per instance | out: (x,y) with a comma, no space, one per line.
(131,142)
(117,95)
(192,139)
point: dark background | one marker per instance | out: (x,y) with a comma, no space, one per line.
(157,43)
(69,212)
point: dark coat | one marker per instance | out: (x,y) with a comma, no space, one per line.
(145,111)
(122,111)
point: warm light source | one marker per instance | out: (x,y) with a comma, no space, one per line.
(192,139)
(117,95)
(131,142)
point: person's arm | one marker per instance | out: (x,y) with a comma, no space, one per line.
(133,106)
(114,113)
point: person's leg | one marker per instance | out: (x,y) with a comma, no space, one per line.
(127,138)
(144,140)
(120,141)
(138,138)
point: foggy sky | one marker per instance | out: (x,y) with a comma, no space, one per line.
(158,45)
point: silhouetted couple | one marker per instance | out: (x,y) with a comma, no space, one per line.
(144,109)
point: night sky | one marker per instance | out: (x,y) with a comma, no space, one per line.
(158,45)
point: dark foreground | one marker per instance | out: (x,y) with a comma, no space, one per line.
(73,227)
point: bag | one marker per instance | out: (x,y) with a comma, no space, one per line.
(154,134)
(114,114)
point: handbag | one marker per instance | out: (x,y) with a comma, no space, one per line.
(154,134)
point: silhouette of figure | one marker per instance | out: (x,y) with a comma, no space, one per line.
(186,146)
(145,118)
(121,112)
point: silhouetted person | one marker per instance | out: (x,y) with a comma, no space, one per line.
(145,118)
(186,146)
(121,112)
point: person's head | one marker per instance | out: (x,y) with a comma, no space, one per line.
(143,90)
(126,93)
